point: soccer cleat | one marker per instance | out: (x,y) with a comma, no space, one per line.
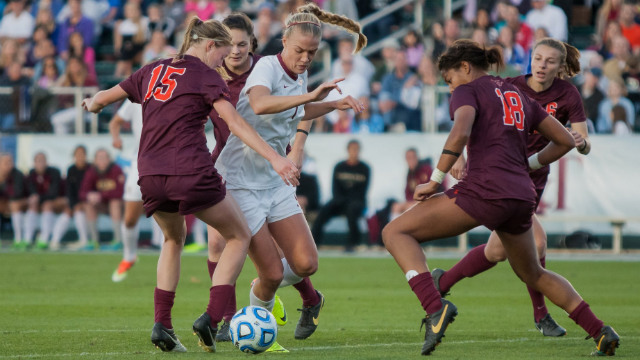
(606,342)
(41,245)
(277,348)
(112,246)
(279,312)
(194,248)
(166,339)
(121,272)
(205,332)
(549,327)
(309,319)
(437,324)
(20,246)
(223,333)
(436,274)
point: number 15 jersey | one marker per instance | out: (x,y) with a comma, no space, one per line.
(176,97)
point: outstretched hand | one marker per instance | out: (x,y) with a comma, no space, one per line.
(324,89)
(350,103)
(287,170)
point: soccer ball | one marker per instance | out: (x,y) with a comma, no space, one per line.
(253,329)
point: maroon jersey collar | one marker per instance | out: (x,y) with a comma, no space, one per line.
(291,74)
(254,60)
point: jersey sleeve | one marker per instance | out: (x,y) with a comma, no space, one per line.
(133,85)
(214,88)
(536,113)
(462,95)
(576,109)
(263,74)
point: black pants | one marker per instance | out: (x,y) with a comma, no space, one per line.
(351,208)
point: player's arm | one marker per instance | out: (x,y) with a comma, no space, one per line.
(263,102)
(103,98)
(463,120)
(581,137)
(317,109)
(240,128)
(561,142)
(296,155)
(114,129)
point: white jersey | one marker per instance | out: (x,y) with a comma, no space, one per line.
(132,113)
(239,165)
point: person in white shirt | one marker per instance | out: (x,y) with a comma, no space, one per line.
(274,101)
(361,65)
(17,24)
(549,17)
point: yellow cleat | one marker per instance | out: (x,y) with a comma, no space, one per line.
(277,348)
(279,312)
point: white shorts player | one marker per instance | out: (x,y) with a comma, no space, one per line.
(132,113)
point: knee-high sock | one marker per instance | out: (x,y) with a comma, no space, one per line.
(198,233)
(47,219)
(117,231)
(470,265)
(80,220)
(157,237)
(422,285)
(163,302)
(30,225)
(584,317)
(537,300)
(16,224)
(93,231)
(255,301)
(219,296)
(60,228)
(130,242)
(308,294)
(289,277)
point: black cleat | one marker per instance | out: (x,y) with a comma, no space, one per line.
(205,332)
(308,319)
(435,275)
(606,342)
(165,339)
(223,333)
(549,327)
(437,324)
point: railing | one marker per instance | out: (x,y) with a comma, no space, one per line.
(79,94)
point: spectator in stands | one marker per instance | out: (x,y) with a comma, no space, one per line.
(17,24)
(389,49)
(32,57)
(129,38)
(351,180)
(513,54)
(631,73)
(157,48)
(222,10)
(354,84)
(523,34)
(367,121)
(75,176)
(444,36)
(418,173)
(612,31)
(630,28)
(333,34)
(159,22)
(44,49)
(591,96)
(481,37)
(101,192)
(608,13)
(10,54)
(204,9)
(361,65)
(414,47)
(620,50)
(549,17)
(13,197)
(620,124)
(75,75)
(251,7)
(43,103)
(13,109)
(482,20)
(77,48)
(46,197)
(75,22)
(50,73)
(399,115)
(175,10)
(45,20)
(267,31)
(615,96)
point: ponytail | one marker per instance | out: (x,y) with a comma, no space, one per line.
(198,30)
(470,52)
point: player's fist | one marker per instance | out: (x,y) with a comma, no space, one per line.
(423,191)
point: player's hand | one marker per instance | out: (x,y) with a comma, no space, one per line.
(423,191)
(94,197)
(578,139)
(296,157)
(324,89)
(89,105)
(459,168)
(350,103)
(117,142)
(33,200)
(287,170)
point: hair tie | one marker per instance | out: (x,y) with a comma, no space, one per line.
(198,22)
(303,22)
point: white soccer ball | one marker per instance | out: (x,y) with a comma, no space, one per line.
(253,329)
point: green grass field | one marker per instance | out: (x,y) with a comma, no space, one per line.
(65,306)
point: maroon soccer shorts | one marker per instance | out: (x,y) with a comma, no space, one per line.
(509,215)
(185,194)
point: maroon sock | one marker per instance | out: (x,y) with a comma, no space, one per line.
(537,300)
(470,265)
(422,285)
(219,296)
(308,294)
(212,267)
(584,317)
(231,306)
(163,302)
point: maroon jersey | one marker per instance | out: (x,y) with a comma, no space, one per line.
(176,97)
(420,175)
(13,187)
(497,167)
(220,128)
(110,183)
(46,185)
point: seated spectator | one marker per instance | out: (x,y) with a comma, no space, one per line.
(605,45)
(591,96)
(46,197)
(74,22)
(621,126)
(513,54)
(101,192)
(32,57)
(46,20)
(444,36)
(12,110)
(175,10)
(354,84)
(43,103)
(614,67)
(333,34)
(413,46)
(9,54)
(361,65)
(522,33)
(77,48)
(75,75)
(418,173)
(481,37)
(13,197)
(17,23)
(388,52)
(44,49)
(75,176)
(549,17)
(630,28)
(222,10)
(251,7)
(399,115)
(482,20)
(367,121)
(159,22)
(351,180)
(204,9)
(129,38)
(607,13)
(157,48)
(615,96)
(267,31)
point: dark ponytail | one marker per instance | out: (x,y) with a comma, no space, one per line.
(470,52)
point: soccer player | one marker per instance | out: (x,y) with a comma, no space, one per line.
(75,175)
(274,100)
(497,191)
(132,113)
(13,197)
(551,61)
(177,176)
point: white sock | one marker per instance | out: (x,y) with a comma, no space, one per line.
(60,228)
(80,220)
(198,233)
(47,219)
(290,278)
(117,231)
(130,242)
(93,231)
(253,300)
(30,224)
(157,236)
(16,224)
